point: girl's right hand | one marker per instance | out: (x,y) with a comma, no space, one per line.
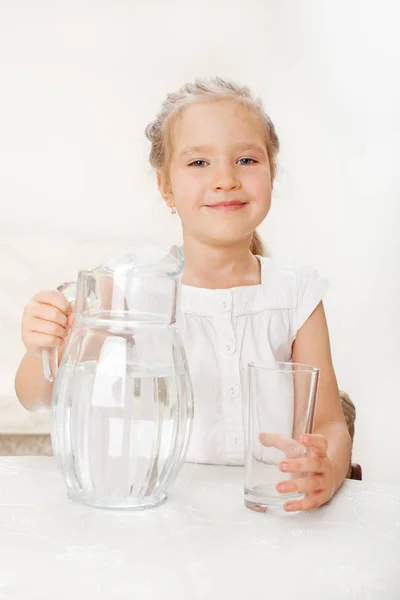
(46,321)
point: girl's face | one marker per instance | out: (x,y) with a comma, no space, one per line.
(219,175)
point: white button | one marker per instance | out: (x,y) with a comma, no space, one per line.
(233,391)
(228,343)
(226,305)
(229,348)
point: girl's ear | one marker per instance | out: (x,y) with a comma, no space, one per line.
(165,188)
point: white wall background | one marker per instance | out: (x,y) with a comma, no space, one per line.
(79,81)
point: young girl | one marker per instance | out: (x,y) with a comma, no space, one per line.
(214,151)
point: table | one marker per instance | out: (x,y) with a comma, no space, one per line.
(201,544)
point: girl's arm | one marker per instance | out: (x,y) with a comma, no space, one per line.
(32,390)
(44,325)
(323,468)
(312,347)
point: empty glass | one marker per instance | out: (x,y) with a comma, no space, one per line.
(281,406)
(122,399)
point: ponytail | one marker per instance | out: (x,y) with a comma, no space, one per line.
(257,247)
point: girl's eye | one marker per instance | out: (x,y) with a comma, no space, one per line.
(246,161)
(197,163)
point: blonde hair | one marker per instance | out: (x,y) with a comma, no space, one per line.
(203,90)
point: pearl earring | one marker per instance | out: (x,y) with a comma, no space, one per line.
(173,211)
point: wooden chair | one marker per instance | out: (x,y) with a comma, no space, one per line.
(349,411)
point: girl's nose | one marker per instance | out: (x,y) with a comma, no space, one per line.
(225,180)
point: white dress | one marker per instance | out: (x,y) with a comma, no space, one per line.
(225,329)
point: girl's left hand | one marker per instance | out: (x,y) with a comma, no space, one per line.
(318,483)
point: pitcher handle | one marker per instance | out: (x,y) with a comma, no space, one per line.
(50,355)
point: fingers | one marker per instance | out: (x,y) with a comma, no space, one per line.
(47,327)
(315,500)
(305,485)
(50,313)
(315,485)
(315,442)
(45,320)
(289,446)
(309,464)
(53,298)
(42,340)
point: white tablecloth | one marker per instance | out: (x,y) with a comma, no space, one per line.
(202,543)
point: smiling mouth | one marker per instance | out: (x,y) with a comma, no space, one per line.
(227,206)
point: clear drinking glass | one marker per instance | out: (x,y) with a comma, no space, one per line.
(281,406)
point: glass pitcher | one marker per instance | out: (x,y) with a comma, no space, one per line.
(122,406)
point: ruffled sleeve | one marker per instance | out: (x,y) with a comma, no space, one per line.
(311,288)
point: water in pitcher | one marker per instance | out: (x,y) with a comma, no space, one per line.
(121,440)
